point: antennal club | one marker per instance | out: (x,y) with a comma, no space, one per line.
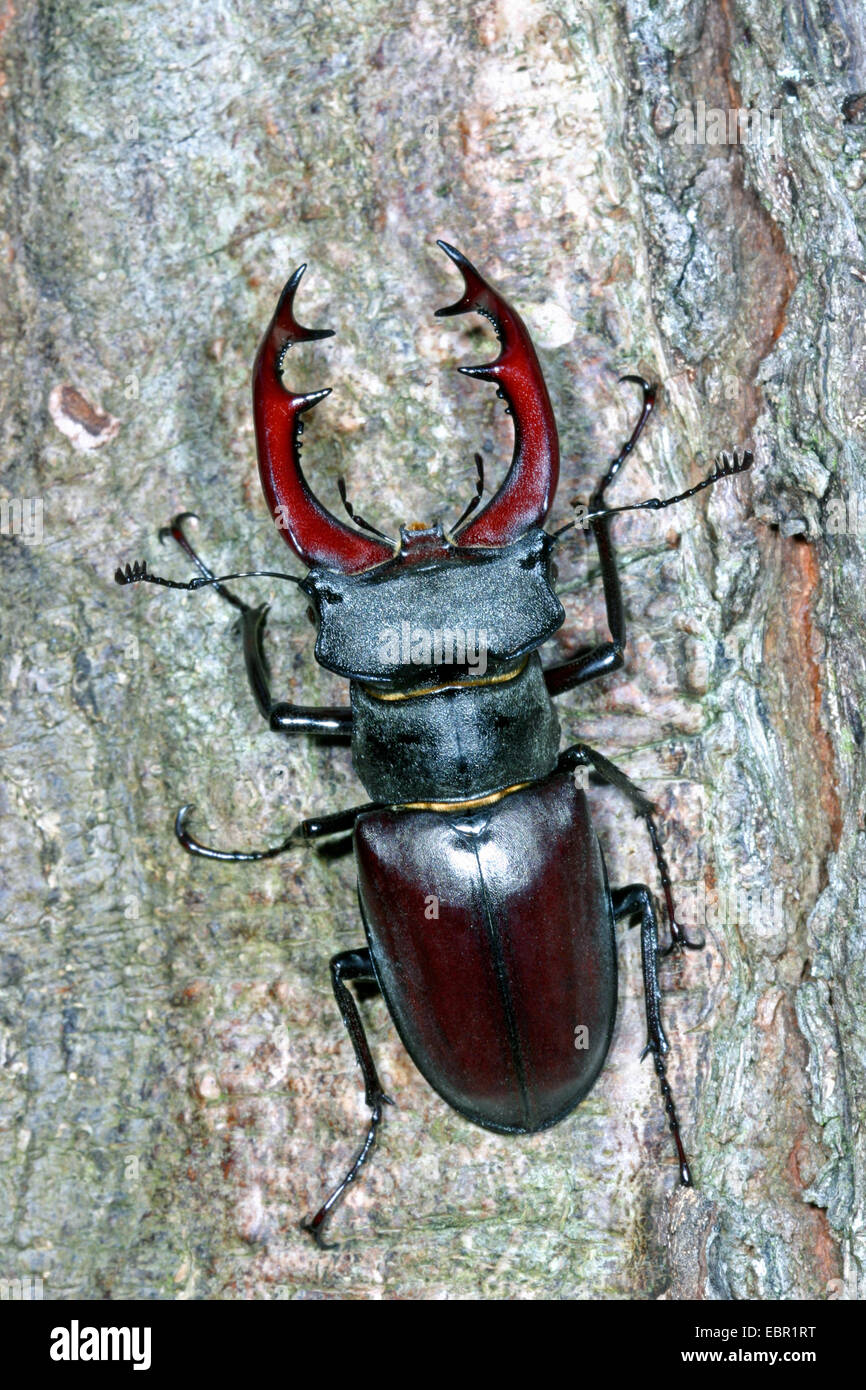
(727,466)
(138,573)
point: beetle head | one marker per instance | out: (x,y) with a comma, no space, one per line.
(492,576)
(450,610)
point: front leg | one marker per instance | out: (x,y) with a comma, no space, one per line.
(333,720)
(608,656)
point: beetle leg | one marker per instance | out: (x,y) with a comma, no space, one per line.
(334,721)
(312,829)
(679,941)
(580,754)
(357,966)
(609,656)
(649,400)
(628,902)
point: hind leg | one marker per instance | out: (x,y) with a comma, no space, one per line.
(354,966)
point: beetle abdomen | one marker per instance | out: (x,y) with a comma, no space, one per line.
(492,937)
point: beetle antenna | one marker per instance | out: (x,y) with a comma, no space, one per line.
(727,466)
(473,503)
(138,573)
(359,520)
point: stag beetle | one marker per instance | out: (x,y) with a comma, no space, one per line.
(473,806)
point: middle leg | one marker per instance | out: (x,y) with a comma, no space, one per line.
(632,901)
(314,828)
(332,721)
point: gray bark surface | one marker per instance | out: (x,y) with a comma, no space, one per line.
(176,1087)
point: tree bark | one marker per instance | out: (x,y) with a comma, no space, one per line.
(177,1088)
